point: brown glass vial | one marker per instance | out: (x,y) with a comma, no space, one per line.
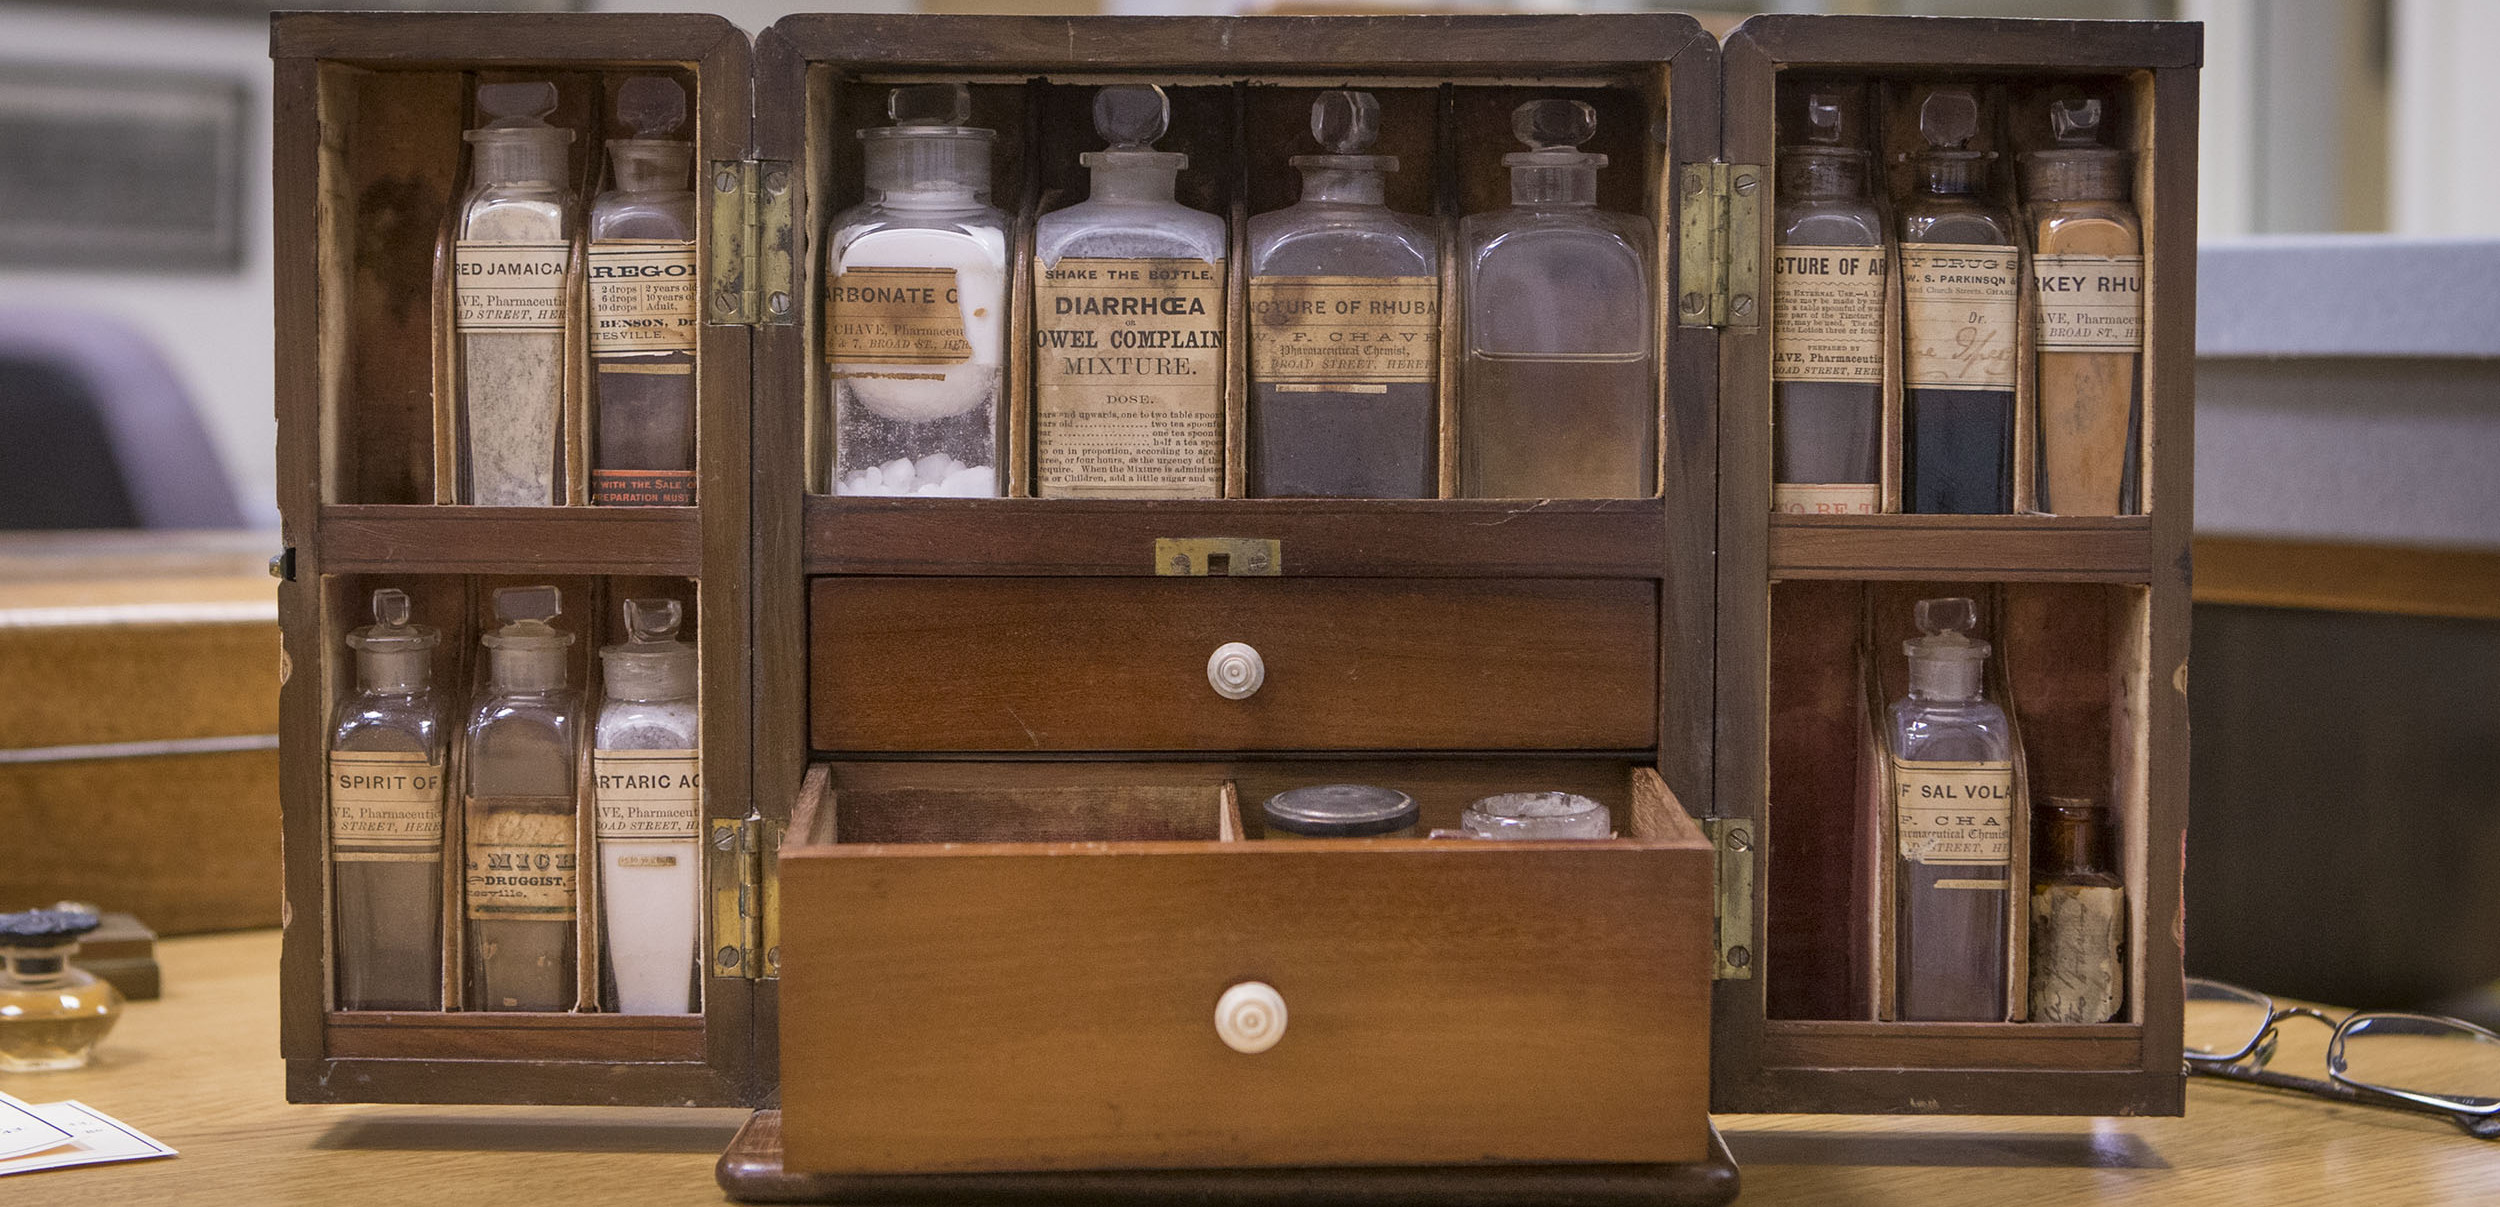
(643,290)
(2087,273)
(2078,916)
(1960,281)
(1827,320)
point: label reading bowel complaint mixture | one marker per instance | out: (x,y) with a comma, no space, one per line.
(385,808)
(509,286)
(521,863)
(2089,303)
(1128,372)
(642,296)
(1827,314)
(896,316)
(1959,307)
(1340,331)
(648,793)
(1954,813)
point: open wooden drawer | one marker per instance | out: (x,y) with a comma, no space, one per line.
(1016,967)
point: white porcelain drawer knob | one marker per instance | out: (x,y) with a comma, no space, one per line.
(1235,671)
(1250,1017)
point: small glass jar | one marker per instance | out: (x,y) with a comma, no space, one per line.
(1341,811)
(52,1012)
(1537,815)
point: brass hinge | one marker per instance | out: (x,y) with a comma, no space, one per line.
(745,873)
(1719,228)
(752,255)
(1732,899)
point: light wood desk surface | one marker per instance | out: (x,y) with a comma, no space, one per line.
(199,1070)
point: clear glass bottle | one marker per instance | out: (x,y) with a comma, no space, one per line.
(1960,280)
(916,315)
(644,316)
(1952,755)
(1345,322)
(1128,317)
(52,1013)
(521,857)
(1558,395)
(1827,318)
(2087,272)
(514,244)
(2078,916)
(386,817)
(648,784)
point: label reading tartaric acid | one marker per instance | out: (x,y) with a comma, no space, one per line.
(521,865)
(2089,303)
(648,793)
(1959,306)
(385,808)
(642,296)
(1128,375)
(509,286)
(1307,331)
(1827,314)
(895,316)
(1830,498)
(1954,813)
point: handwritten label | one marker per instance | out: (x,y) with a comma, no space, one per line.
(1954,813)
(1959,303)
(1827,314)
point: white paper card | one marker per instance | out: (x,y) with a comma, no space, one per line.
(88,1137)
(22,1130)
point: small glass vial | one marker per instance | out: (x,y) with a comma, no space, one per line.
(1345,324)
(1952,758)
(916,314)
(643,306)
(52,1013)
(1340,811)
(649,790)
(1961,276)
(2078,916)
(1827,320)
(2087,273)
(522,873)
(1128,317)
(1558,395)
(386,818)
(514,245)
(1537,815)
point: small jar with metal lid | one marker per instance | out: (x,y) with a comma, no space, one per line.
(1340,811)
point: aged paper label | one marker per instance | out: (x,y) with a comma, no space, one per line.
(896,316)
(1344,330)
(642,487)
(1954,813)
(1959,301)
(521,865)
(1827,314)
(2089,303)
(1128,373)
(642,296)
(648,793)
(385,808)
(1834,498)
(509,286)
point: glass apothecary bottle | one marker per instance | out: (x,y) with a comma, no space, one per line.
(522,870)
(386,772)
(52,1012)
(513,247)
(1128,317)
(2087,272)
(2078,916)
(1827,319)
(1345,321)
(648,787)
(1960,282)
(644,319)
(916,312)
(1952,755)
(1558,394)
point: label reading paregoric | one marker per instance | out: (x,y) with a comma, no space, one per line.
(2089,303)
(509,286)
(520,859)
(648,793)
(1953,813)
(1828,498)
(1959,305)
(896,316)
(1827,314)
(1344,330)
(642,296)
(1128,374)
(385,808)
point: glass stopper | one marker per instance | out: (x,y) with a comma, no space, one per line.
(1554,125)
(2077,122)
(1823,118)
(651,105)
(516,604)
(1937,617)
(391,609)
(1949,118)
(1346,123)
(526,104)
(652,621)
(1131,116)
(929,105)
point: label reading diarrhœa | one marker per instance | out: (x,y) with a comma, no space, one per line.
(509,286)
(1337,331)
(1827,314)
(895,316)
(642,296)
(648,793)
(385,808)
(1128,374)
(2088,303)
(1954,812)
(1959,305)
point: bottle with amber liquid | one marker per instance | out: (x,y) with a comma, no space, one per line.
(1827,321)
(1952,755)
(1960,283)
(2078,916)
(643,292)
(2087,271)
(386,817)
(522,861)
(52,1013)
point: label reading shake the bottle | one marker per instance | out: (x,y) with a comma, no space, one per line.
(385,808)
(1953,813)
(1128,375)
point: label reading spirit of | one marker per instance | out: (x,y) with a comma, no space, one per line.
(1953,812)
(642,296)
(509,286)
(1959,305)
(896,316)
(1827,314)
(385,808)
(521,865)
(1128,373)
(648,793)
(1327,333)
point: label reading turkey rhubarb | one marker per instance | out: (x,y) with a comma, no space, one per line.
(521,866)
(1333,331)
(1954,813)
(385,808)
(895,316)
(1128,373)
(642,296)
(2089,303)
(1959,301)
(648,793)
(509,286)
(1827,314)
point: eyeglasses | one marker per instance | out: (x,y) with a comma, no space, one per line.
(2416,1062)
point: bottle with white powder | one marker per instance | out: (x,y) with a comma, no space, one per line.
(515,239)
(650,800)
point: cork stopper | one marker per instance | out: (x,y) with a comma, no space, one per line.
(929,159)
(650,664)
(393,655)
(527,653)
(2077,167)
(653,107)
(1946,663)
(1554,170)
(516,145)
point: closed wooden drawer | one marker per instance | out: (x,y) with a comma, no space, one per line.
(980,1006)
(1012,664)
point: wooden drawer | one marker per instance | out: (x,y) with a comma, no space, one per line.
(969,1006)
(1016,664)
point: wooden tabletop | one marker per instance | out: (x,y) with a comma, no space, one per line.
(199,1070)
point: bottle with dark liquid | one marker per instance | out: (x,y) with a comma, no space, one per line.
(522,874)
(1960,278)
(1827,322)
(1345,322)
(643,321)
(1952,755)
(386,818)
